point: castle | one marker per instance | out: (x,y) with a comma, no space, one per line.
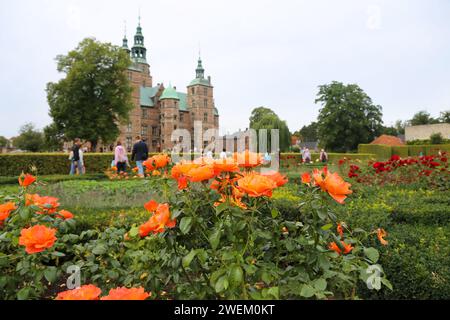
(159,110)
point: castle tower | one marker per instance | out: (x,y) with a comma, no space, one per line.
(169,115)
(139,55)
(201,99)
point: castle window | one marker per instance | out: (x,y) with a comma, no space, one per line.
(181,117)
(205,117)
(175,117)
(193,104)
(130,76)
(144,113)
(175,103)
(144,130)
(193,90)
(205,91)
(175,127)
(129,127)
(128,143)
(193,115)
(154,131)
(205,103)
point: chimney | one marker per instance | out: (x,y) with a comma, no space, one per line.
(209,79)
(174,87)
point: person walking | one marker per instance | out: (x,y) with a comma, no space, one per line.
(223,154)
(139,154)
(120,157)
(83,168)
(75,158)
(323,156)
(307,156)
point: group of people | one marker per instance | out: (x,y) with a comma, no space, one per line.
(306,155)
(139,154)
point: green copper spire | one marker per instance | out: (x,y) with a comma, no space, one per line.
(125,40)
(200,72)
(138,51)
(169,93)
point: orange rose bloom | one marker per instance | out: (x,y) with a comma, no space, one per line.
(148,164)
(37,238)
(26,180)
(151,206)
(248,159)
(256,185)
(276,177)
(65,214)
(161,160)
(381,233)
(347,247)
(200,174)
(5,210)
(182,183)
(158,221)
(86,292)
(182,168)
(123,293)
(336,187)
(225,165)
(156,173)
(48,205)
(306,178)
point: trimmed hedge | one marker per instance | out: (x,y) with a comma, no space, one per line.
(12,165)
(384,152)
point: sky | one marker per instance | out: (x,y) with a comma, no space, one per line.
(272,53)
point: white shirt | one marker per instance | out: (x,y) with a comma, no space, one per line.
(223,155)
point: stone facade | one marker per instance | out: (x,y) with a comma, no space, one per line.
(423,132)
(159,110)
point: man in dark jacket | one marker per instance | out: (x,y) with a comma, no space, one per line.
(75,160)
(139,154)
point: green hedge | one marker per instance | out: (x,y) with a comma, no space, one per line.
(384,152)
(12,165)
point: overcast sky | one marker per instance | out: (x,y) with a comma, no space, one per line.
(259,52)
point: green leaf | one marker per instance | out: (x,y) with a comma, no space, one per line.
(320,284)
(175,214)
(307,291)
(372,254)
(214,238)
(24,213)
(327,227)
(221,207)
(134,232)
(187,259)
(387,283)
(23,293)
(50,274)
(99,249)
(221,284)
(58,254)
(274,213)
(274,292)
(185,224)
(236,275)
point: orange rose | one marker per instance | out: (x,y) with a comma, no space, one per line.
(26,179)
(37,238)
(256,185)
(156,173)
(347,247)
(332,183)
(161,160)
(182,183)
(5,210)
(48,205)
(148,164)
(151,206)
(248,159)
(225,165)
(200,174)
(86,292)
(65,214)
(276,177)
(158,221)
(123,293)
(306,178)
(182,168)
(340,230)
(381,233)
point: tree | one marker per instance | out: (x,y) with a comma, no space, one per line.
(400,126)
(265,118)
(347,117)
(53,139)
(308,133)
(392,131)
(29,138)
(444,116)
(422,117)
(436,138)
(94,97)
(3,141)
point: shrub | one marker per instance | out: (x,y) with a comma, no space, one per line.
(381,152)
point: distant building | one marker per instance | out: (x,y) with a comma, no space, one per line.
(388,140)
(423,132)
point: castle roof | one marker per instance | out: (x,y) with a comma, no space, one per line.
(388,140)
(169,93)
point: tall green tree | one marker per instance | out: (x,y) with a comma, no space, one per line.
(347,118)
(3,141)
(308,132)
(29,138)
(94,97)
(422,117)
(265,118)
(53,138)
(444,116)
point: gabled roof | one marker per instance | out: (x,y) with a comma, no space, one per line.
(388,140)
(183,101)
(147,94)
(169,93)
